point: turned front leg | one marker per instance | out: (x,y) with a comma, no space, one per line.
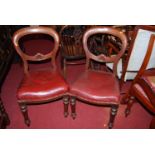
(73,107)
(112,116)
(23,108)
(66,104)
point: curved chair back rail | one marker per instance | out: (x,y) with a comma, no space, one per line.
(39,56)
(102,57)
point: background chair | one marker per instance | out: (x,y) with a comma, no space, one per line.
(99,87)
(6,57)
(143,86)
(39,85)
(136,52)
(71,46)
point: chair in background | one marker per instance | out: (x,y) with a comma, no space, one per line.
(136,52)
(6,57)
(40,85)
(72,52)
(99,87)
(143,85)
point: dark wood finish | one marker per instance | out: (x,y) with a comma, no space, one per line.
(66,104)
(113,113)
(102,58)
(152,124)
(71,46)
(147,98)
(24,111)
(4,119)
(73,107)
(6,56)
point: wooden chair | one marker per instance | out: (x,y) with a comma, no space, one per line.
(40,85)
(71,46)
(6,57)
(143,86)
(99,87)
(136,52)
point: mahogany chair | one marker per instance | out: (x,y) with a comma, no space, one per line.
(99,87)
(39,85)
(143,86)
(136,52)
(72,52)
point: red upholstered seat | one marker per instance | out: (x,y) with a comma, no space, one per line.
(41,86)
(96,86)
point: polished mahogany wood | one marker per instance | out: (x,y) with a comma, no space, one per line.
(44,84)
(142,86)
(99,87)
(131,45)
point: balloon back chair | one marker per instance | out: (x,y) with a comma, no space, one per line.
(95,86)
(143,86)
(40,85)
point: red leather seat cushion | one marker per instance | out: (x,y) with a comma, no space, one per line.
(41,86)
(96,86)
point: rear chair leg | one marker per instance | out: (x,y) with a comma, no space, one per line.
(24,111)
(66,104)
(129,105)
(125,99)
(73,107)
(112,116)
